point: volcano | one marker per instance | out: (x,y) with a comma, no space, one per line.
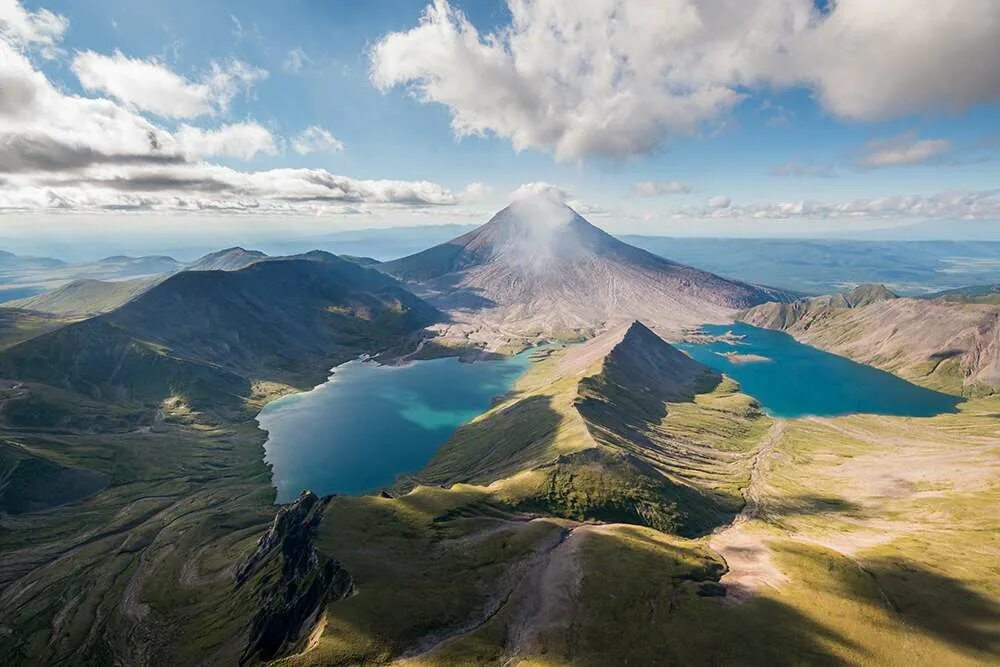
(538,267)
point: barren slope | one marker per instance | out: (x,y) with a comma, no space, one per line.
(539,268)
(953,347)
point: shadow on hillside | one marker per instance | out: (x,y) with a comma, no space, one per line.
(937,605)
(447,294)
(808,504)
(637,606)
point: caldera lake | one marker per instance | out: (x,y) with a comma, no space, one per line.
(370,423)
(791,379)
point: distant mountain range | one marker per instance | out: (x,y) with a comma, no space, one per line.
(211,334)
(822,266)
(973,294)
(83,297)
(810,266)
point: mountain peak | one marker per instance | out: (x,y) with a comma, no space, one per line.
(228,259)
(862,295)
(537,265)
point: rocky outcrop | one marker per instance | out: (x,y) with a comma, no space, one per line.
(294,581)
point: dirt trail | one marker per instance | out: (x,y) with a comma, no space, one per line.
(541,596)
(517,581)
(745,553)
(547,608)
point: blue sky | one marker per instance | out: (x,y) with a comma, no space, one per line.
(780,143)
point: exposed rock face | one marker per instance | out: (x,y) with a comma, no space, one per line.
(292,596)
(952,347)
(539,266)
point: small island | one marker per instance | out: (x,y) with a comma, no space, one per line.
(740,358)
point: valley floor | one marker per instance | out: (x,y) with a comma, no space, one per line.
(861,540)
(864,540)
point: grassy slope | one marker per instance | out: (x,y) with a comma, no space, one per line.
(17,326)
(83,298)
(580,446)
(203,335)
(883,530)
(142,570)
(447,573)
(128,571)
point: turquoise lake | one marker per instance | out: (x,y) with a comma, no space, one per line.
(370,423)
(796,380)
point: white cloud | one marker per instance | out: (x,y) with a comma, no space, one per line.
(476,191)
(541,189)
(654,188)
(149,85)
(41,29)
(718,202)
(903,150)
(874,60)
(61,151)
(239,140)
(203,186)
(955,204)
(53,128)
(315,139)
(295,61)
(619,77)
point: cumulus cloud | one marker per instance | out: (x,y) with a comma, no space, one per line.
(476,191)
(964,204)
(239,140)
(203,186)
(654,188)
(874,60)
(555,197)
(903,150)
(542,189)
(316,139)
(38,117)
(718,202)
(149,85)
(42,29)
(618,77)
(63,151)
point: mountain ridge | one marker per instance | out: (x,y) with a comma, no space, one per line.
(199,332)
(949,346)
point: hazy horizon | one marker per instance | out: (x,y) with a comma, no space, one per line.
(419,113)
